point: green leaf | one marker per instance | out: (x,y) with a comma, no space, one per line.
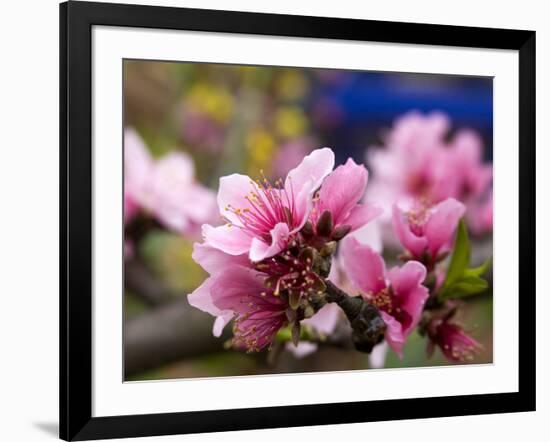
(479,271)
(460,259)
(467,286)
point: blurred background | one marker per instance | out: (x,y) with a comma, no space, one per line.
(243,119)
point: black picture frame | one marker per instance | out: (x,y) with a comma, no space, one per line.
(76,21)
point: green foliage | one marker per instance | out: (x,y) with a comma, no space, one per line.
(460,280)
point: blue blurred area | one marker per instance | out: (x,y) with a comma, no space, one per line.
(369,101)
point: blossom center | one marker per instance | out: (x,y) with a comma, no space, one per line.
(268,205)
(417,217)
(386,301)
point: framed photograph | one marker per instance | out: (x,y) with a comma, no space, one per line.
(274,220)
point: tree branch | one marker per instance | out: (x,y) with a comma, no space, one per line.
(365,320)
(168,333)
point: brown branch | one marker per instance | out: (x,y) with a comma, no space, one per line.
(166,334)
(365,320)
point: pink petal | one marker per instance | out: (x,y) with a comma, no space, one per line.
(214,260)
(394,334)
(228,239)
(342,190)
(364,267)
(302,350)
(325,320)
(260,250)
(414,244)
(406,283)
(232,193)
(304,180)
(377,358)
(408,277)
(442,224)
(176,168)
(311,171)
(220,322)
(234,289)
(361,215)
(201,298)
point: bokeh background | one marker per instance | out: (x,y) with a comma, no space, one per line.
(243,119)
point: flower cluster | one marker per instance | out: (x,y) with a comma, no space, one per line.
(287,248)
(419,163)
(269,262)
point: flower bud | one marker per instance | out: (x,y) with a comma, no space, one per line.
(325,224)
(340,232)
(307,230)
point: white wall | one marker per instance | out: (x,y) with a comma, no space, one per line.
(29,218)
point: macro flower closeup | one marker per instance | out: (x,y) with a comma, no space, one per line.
(397,293)
(252,249)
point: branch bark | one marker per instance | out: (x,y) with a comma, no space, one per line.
(166,334)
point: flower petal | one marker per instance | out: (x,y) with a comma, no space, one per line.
(220,323)
(311,171)
(303,349)
(260,250)
(361,215)
(364,267)
(394,334)
(232,194)
(239,289)
(414,244)
(408,277)
(304,180)
(214,260)
(407,285)
(228,239)
(377,358)
(442,224)
(342,190)
(201,298)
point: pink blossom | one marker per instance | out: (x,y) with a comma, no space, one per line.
(455,344)
(263,218)
(340,195)
(426,232)
(418,163)
(165,188)
(259,313)
(398,293)
(179,202)
(414,162)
